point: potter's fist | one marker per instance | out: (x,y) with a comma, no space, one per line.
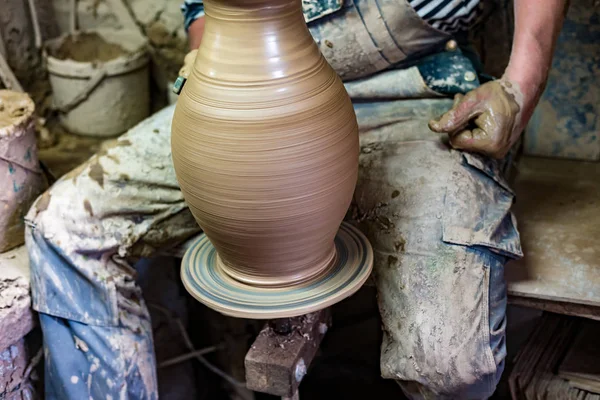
(188,64)
(486,120)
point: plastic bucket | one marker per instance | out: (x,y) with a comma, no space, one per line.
(101,99)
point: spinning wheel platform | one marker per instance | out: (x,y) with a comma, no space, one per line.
(206,281)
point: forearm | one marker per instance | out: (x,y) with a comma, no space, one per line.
(193,21)
(537,25)
(195,32)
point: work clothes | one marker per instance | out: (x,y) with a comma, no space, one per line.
(439,221)
(449,16)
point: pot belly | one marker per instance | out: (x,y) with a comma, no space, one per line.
(268,177)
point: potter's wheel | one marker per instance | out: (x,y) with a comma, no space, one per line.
(209,284)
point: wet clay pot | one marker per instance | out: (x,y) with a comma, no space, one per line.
(265,143)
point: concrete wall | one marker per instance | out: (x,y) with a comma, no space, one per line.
(566,123)
(17,44)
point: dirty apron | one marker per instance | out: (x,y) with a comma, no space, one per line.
(439,221)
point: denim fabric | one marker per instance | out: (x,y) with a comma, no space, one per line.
(441,227)
(82,237)
(89,362)
(448,72)
(498,302)
(315,9)
(61,289)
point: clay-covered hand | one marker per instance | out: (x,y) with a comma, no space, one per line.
(188,64)
(486,120)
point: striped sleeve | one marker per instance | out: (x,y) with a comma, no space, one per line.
(192,10)
(449,16)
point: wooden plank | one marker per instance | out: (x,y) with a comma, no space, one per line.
(581,365)
(557,307)
(532,376)
(558,211)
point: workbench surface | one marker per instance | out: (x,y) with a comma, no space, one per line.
(558,213)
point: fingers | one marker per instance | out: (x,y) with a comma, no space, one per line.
(470,140)
(457,98)
(478,141)
(487,108)
(465,108)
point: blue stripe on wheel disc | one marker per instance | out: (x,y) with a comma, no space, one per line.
(212,286)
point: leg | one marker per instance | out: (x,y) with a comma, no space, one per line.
(440,224)
(83,234)
(106,351)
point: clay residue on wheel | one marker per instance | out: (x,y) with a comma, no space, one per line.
(88,47)
(15,108)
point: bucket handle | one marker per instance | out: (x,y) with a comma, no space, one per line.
(92,84)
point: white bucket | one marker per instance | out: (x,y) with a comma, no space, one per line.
(97,98)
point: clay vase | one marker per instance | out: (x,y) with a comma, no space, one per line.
(265,143)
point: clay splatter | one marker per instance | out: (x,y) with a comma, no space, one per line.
(123,143)
(88,207)
(43,203)
(97,173)
(399,244)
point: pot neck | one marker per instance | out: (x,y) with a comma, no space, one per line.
(256,40)
(252,11)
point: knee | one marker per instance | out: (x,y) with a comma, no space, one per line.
(63,212)
(451,373)
(480,388)
(483,387)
